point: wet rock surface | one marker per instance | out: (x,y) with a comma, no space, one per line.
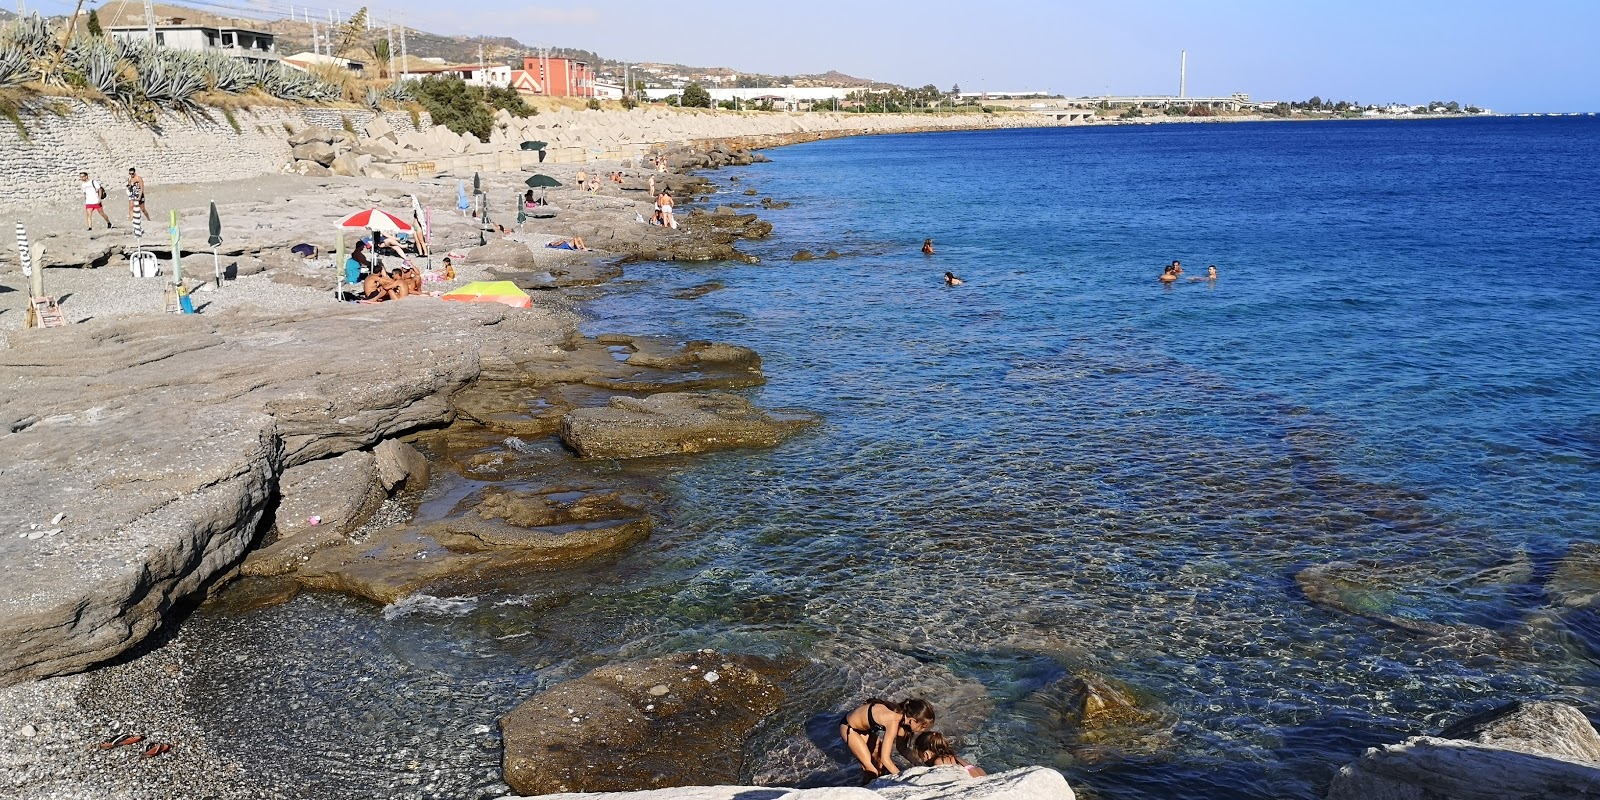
(1098,720)
(678,720)
(673,423)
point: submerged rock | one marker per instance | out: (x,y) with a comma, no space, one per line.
(1533,750)
(672,721)
(1099,720)
(505,531)
(674,423)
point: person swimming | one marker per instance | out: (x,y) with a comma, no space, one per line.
(927,247)
(1211,272)
(950,279)
(934,750)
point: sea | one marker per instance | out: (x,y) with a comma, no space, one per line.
(1063,471)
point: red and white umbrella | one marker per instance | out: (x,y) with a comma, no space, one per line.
(376,220)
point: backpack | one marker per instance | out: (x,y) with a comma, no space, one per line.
(100,186)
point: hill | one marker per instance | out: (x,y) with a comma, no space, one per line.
(294,36)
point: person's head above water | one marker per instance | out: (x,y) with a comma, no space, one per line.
(932,747)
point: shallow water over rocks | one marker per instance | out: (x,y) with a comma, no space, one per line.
(1058,469)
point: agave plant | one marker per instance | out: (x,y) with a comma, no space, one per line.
(16,68)
(400,92)
(171,82)
(374,98)
(224,73)
(93,58)
(31,35)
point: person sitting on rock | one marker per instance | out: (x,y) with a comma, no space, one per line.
(409,279)
(528,200)
(933,750)
(872,730)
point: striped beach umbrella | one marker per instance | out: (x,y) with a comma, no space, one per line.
(24,256)
(177,250)
(375,219)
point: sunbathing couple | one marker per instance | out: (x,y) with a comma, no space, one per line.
(876,730)
(391,285)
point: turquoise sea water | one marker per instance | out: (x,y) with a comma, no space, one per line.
(1064,467)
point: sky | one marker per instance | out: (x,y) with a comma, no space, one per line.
(1523,55)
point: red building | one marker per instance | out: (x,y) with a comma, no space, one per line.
(551,76)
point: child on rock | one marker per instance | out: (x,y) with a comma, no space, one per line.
(872,730)
(932,749)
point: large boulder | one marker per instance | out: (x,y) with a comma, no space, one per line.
(313,133)
(379,128)
(508,254)
(672,721)
(347,164)
(1522,750)
(675,423)
(318,152)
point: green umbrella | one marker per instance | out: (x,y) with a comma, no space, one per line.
(533,145)
(542,182)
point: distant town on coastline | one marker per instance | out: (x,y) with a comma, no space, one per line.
(212,58)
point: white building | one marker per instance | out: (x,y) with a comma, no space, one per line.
(792,97)
(608,91)
(496,76)
(304,62)
(237,42)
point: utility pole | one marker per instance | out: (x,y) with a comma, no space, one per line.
(1183,74)
(316,43)
(405,63)
(149,20)
(394,76)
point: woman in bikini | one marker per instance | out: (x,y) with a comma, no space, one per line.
(932,749)
(871,731)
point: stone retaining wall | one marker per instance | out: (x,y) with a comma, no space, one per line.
(65,136)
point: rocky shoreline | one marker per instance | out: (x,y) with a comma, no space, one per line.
(268,446)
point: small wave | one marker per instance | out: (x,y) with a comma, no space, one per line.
(428,604)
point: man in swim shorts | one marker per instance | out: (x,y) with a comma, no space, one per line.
(92,201)
(136,194)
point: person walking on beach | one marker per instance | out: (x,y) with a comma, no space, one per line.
(136,194)
(94,197)
(927,247)
(872,731)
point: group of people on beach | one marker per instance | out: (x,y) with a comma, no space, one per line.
(1174,271)
(94,197)
(877,730)
(380,284)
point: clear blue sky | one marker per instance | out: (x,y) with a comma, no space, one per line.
(1508,55)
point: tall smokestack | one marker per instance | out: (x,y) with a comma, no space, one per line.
(1183,73)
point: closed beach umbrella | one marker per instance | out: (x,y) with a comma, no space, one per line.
(214,224)
(491,292)
(461,198)
(477,186)
(24,255)
(177,250)
(376,219)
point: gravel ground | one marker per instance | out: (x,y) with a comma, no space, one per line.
(86,293)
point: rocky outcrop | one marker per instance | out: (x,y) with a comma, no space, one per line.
(675,423)
(1533,750)
(1097,719)
(920,783)
(145,452)
(550,528)
(670,721)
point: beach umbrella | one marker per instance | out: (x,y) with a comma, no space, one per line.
(461,198)
(214,226)
(477,186)
(377,220)
(533,145)
(24,255)
(177,252)
(542,181)
(491,292)
(339,268)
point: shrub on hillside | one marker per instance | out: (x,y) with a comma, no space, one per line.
(467,109)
